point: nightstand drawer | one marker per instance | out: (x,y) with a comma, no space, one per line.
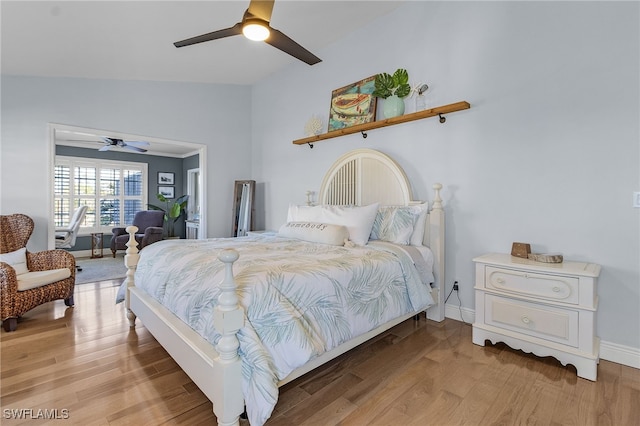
(542,286)
(545,322)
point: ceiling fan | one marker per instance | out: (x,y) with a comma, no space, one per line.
(131,145)
(255,26)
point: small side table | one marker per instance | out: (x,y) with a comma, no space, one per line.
(97,245)
(548,309)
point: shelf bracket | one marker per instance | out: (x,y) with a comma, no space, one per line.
(442,118)
(364,135)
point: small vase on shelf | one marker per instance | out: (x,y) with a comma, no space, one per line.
(392,88)
(393,107)
(421,99)
(421,103)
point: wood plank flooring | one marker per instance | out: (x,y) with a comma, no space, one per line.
(88,365)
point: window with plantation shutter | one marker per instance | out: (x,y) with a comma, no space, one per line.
(113,191)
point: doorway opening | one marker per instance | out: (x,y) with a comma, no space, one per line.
(95,140)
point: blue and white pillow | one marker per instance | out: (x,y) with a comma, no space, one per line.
(397,224)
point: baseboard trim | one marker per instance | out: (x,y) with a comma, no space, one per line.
(620,354)
(460,313)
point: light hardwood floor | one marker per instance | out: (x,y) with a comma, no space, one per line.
(87,363)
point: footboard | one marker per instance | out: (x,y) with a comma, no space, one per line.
(216,371)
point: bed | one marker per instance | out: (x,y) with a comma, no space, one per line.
(228,349)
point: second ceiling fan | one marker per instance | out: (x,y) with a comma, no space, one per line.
(255,26)
(130,145)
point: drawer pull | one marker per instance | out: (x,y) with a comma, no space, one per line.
(525,319)
(556,289)
(500,281)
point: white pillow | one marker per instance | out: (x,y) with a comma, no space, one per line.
(357,220)
(418,229)
(315,232)
(17,260)
(394,224)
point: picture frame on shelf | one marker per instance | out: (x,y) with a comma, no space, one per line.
(167,191)
(166,178)
(353,104)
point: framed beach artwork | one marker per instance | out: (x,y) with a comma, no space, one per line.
(166,178)
(167,191)
(353,104)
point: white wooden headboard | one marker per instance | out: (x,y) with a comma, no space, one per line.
(365,176)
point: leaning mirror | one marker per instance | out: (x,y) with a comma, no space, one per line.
(243,194)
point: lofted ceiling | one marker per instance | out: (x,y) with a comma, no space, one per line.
(133,40)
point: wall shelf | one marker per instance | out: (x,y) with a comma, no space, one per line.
(361,128)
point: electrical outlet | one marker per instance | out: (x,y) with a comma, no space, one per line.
(636,199)
(455,285)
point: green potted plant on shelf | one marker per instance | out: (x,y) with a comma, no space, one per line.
(172,212)
(393,89)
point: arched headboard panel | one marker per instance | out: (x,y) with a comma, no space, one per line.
(365,176)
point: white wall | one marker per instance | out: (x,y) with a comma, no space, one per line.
(214,115)
(548,154)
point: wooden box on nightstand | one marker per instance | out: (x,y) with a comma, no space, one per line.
(548,309)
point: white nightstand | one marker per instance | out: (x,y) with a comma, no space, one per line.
(548,309)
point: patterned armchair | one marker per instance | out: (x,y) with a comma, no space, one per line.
(150,225)
(29,279)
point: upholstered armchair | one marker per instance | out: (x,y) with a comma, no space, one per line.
(150,229)
(29,279)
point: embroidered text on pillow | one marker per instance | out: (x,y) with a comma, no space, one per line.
(309,225)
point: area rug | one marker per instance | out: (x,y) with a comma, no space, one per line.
(103,269)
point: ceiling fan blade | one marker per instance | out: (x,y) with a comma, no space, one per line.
(105,148)
(227,32)
(133,148)
(136,143)
(281,41)
(261,9)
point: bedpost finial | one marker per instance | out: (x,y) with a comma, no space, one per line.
(131,229)
(228,315)
(228,256)
(228,300)
(437,201)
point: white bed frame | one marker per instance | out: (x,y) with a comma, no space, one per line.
(359,177)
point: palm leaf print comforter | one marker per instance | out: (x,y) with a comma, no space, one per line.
(300,299)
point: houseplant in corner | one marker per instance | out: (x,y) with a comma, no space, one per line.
(172,212)
(393,89)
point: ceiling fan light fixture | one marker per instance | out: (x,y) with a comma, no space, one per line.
(255,29)
(255,25)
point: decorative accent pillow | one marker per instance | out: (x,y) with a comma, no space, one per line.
(357,219)
(315,232)
(418,229)
(395,224)
(17,260)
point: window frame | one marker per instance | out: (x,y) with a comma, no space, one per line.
(99,164)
